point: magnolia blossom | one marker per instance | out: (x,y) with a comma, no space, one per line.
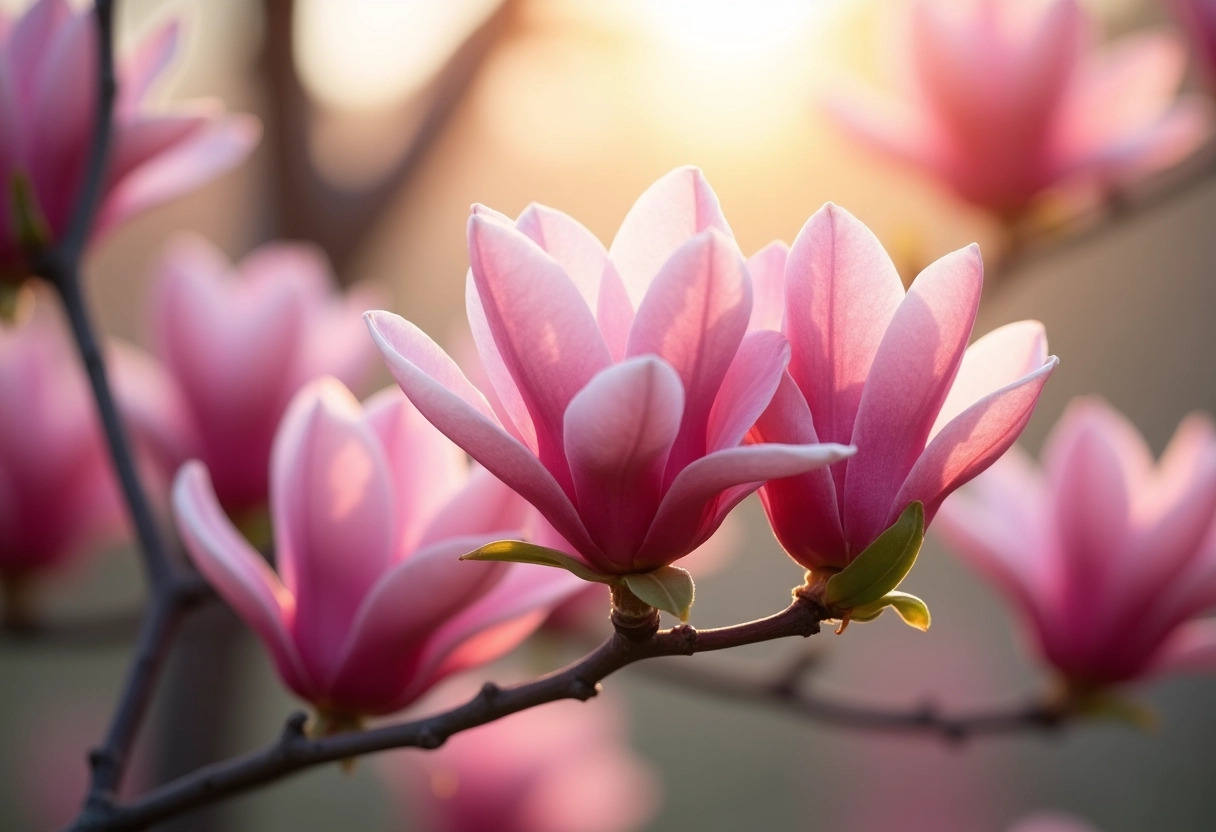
(1109,555)
(891,373)
(48,89)
(623,381)
(58,496)
(553,769)
(1198,18)
(1002,99)
(237,343)
(372,509)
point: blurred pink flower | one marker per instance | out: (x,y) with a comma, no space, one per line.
(237,343)
(892,374)
(58,496)
(1003,99)
(372,510)
(48,89)
(1109,555)
(1052,822)
(1198,18)
(623,380)
(560,768)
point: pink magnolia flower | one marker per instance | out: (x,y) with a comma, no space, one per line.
(560,768)
(48,84)
(1003,99)
(889,372)
(1109,555)
(237,343)
(623,381)
(1198,18)
(58,496)
(372,509)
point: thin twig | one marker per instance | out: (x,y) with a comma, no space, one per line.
(294,751)
(787,694)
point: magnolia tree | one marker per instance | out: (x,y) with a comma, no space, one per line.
(618,402)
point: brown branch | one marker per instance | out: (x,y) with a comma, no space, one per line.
(305,206)
(784,691)
(294,751)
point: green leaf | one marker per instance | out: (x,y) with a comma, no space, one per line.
(879,569)
(32,229)
(1106,705)
(517,551)
(911,609)
(668,588)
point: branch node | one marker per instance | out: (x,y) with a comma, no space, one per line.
(582,690)
(429,739)
(489,692)
(294,728)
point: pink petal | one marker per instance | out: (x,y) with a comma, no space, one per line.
(677,207)
(912,372)
(767,270)
(687,515)
(505,396)
(619,430)
(585,261)
(841,293)
(542,329)
(802,509)
(445,397)
(142,66)
(402,611)
(215,147)
(30,42)
(336,528)
(694,317)
(237,572)
(973,440)
(886,124)
(426,468)
(153,405)
(747,388)
(484,504)
(1190,649)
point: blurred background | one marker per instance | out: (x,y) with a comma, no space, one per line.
(384,121)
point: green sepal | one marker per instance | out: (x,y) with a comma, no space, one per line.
(517,551)
(31,228)
(880,568)
(911,609)
(668,588)
(1108,706)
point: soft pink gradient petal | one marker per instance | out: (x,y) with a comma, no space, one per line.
(331,492)
(238,572)
(1052,822)
(971,442)
(1190,649)
(485,503)
(542,328)
(747,388)
(618,432)
(803,509)
(427,469)
(912,372)
(841,293)
(401,612)
(146,62)
(435,385)
(677,207)
(502,392)
(687,512)
(767,270)
(694,317)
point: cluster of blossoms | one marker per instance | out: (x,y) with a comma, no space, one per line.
(633,395)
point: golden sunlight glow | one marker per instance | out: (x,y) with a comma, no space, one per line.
(735,31)
(369,54)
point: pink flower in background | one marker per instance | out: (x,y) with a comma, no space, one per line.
(1109,555)
(891,373)
(58,496)
(1003,99)
(561,768)
(623,381)
(1198,18)
(372,510)
(237,343)
(48,88)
